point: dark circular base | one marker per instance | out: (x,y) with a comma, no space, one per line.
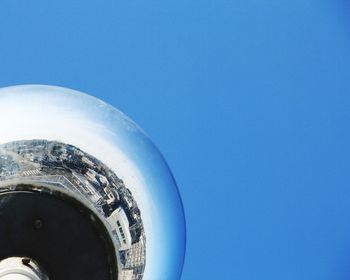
(66,238)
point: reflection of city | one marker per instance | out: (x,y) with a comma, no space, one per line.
(67,167)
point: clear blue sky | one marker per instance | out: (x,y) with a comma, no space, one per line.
(248,100)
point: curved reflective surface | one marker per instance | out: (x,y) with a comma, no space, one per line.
(68,118)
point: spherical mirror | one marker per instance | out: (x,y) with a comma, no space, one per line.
(83,190)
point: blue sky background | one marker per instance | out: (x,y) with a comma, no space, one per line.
(248,100)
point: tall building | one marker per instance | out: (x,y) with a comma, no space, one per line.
(120,223)
(136,255)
